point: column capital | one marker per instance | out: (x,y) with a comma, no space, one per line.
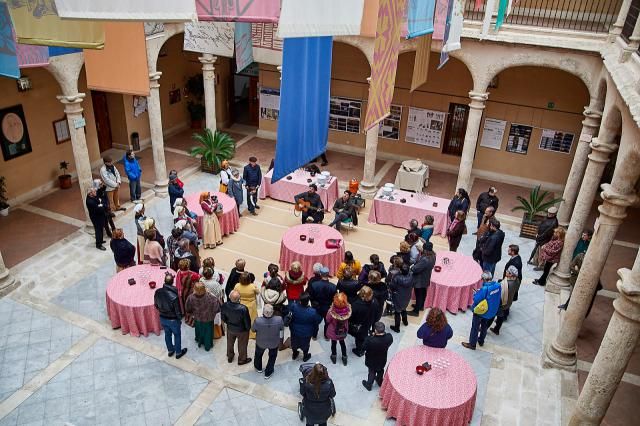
(614,206)
(600,151)
(477,100)
(208,59)
(71,99)
(153,79)
(629,288)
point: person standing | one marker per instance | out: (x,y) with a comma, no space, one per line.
(375,265)
(134,172)
(248,297)
(97,215)
(509,288)
(489,213)
(321,294)
(111,178)
(166,302)
(101,192)
(435,332)
(363,314)
(460,201)
(175,189)
(317,391)
(380,292)
(153,252)
(514,260)
(211,232)
(376,348)
(545,232)
(421,275)
(550,254)
(252,176)
(348,285)
(427,228)
(486,199)
(349,261)
(225,175)
(204,307)
(486,302)
(456,230)
(338,325)
(269,331)
(400,287)
(124,252)
(139,217)
(303,324)
(491,246)
(294,281)
(234,190)
(238,321)
(234,276)
(315,210)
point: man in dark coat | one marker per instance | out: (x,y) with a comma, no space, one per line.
(321,294)
(491,246)
(304,324)
(97,215)
(376,348)
(238,321)
(316,209)
(349,285)
(400,287)
(545,231)
(515,260)
(486,199)
(174,188)
(421,275)
(344,209)
(252,176)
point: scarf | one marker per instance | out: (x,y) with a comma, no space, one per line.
(295,278)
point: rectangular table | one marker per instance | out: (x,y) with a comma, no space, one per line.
(399,214)
(285,190)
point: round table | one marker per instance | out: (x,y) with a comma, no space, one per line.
(292,248)
(438,397)
(452,288)
(230,220)
(130,307)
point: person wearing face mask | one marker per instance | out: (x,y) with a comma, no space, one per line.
(134,172)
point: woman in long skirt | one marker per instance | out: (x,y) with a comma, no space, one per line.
(203,306)
(211,232)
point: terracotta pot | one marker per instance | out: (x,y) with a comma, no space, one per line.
(65,181)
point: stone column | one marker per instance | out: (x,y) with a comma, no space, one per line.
(617,346)
(616,28)
(157,138)
(73,110)
(598,159)
(470,139)
(367,186)
(590,126)
(7,281)
(209,78)
(634,43)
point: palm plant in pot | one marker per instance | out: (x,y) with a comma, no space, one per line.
(214,148)
(4,206)
(64,178)
(534,208)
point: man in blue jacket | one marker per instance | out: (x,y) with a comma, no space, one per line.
(303,325)
(252,176)
(133,171)
(490,291)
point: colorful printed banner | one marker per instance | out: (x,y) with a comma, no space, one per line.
(455,23)
(421,64)
(238,10)
(502,9)
(313,18)
(8,58)
(303,122)
(440,19)
(420,17)
(264,36)
(244,51)
(369,18)
(444,53)
(128,10)
(125,44)
(32,56)
(40,24)
(209,37)
(385,61)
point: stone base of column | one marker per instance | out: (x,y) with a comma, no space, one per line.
(161,189)
(560,358)
(557,281)
(367,190)
(8,283)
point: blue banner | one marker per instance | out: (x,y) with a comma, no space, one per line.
(420,17)
(58,51)
(303,123)
(8,57)
(444,55)
(244,48)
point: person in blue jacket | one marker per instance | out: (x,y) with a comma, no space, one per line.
(303,325)
(491,292)
(133,171)
(175,189)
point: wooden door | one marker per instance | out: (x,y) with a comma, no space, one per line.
(253,101)
(456,129)
(101,114)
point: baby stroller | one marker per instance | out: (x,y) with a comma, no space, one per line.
(305,369)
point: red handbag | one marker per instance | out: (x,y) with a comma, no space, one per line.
(332,243)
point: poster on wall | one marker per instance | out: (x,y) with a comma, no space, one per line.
(519,137)
(269,103)
(390,126)
(424,127)
(556,141)
(139,105)
(209,37)
(492,133)
(14,136)
(344,114)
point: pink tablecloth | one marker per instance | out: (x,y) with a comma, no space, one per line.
(452,287)
(130,307)
(292,249)
(230,220)
(400,214)
(285,190)
(438,397)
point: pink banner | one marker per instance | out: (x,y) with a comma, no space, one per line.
(238,10)
(32,56)
(440,19)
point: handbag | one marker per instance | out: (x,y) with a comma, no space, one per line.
(481,308)
(332,243)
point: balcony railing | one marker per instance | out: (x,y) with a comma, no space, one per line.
(578,15)
(632,18)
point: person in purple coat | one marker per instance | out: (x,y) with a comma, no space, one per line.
(435,332)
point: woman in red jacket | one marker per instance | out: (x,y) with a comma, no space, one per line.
(294,281)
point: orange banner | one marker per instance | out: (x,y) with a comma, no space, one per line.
(121,67)
(421,64)
(369,18)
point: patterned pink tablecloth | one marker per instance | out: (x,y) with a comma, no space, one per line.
(130,307)
(438,397)
(230,220)
(452,287)
(400,214)
(285,190)
(292,249)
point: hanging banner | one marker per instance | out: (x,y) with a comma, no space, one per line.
(303,123)
(385,61)
(59,51)
(478,5)
(8,58)
(313,18)
(209,37)
(455,26)
(444,53)
(369,18)
(502,9)
(238,10)
(40,24)
(244,52)
(30,56)
(420,17)
(486,22)
(264,36)
(440,19)
(128,10)
(124,44)
(421,64)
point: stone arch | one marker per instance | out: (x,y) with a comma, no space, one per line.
(363,44)
(358,67)
(154,45)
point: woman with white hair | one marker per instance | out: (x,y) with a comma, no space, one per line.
(234,188)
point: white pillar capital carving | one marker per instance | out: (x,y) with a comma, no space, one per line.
(154,78)
(600,151)
(478,99)
(72,103)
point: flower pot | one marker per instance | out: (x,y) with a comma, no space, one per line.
(65,181)
(5,211)
(529,227)
(208,168)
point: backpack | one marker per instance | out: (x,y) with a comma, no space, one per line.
(341,329)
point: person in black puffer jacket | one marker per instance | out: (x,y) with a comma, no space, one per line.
(123,251)
(348,285)
(317,391)
(401,286)
(363,313)
(380,293)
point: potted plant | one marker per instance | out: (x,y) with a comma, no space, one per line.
(195,106)
(4,206)
(64,178)
(534,209)
(215,147)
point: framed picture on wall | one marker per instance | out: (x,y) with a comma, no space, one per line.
(519,138)
(269,103)
(344,114)
(61,130)
(14,135)
(556,141)
(390,126)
